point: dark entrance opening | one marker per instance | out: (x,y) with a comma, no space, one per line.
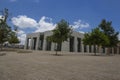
(34,43)
(27,45)
(103,49)
(71,44)
(79,44)
(115,50)
(41,42)
(48,45)
(90,48)
(85,48)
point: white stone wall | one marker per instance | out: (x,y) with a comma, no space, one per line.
(65,45)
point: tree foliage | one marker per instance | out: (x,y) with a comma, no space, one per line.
(5,29)
(13,39)
(104,35)
(108,30)
(61,33)
(96,37)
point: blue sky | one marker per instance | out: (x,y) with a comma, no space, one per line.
(41,15)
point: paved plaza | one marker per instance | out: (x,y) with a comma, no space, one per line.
(68,66)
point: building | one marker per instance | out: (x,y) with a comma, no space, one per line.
(37,41)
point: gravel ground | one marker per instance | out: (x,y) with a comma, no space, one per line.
(69,66)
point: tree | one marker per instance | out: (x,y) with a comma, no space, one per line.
(13,38)
(6,32)
(96,37)
(108,30)
(4,27)
(61,33)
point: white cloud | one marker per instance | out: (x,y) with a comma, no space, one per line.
(44,25)
(20,32)
(81,32)
(0,16)
(22,38)
(23,22)
(80,25)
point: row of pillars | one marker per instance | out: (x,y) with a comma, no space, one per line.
(34,45)
(31,43)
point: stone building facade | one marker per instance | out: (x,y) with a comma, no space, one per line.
(37,41)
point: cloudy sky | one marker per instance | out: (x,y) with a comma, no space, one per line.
(42,15)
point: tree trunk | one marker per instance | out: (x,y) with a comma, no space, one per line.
(95,50)
(1,46)
(98,49)
(56,52)
(56,48)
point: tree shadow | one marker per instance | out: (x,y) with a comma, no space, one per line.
(57,54)
(2,54)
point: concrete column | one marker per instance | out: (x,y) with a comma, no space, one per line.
(31,43)
(37,43)
(75,44)
(65,46)
(106,50)
(44,43)
(113,50)
(100,50)
(26,43)
(87,48)
(52,46)
(96,48)
(92,49)
(82,47)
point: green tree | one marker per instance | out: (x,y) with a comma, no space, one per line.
(6,32)
(108,30)
(13,39)
(96,37)
(4,28)
(61,33)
